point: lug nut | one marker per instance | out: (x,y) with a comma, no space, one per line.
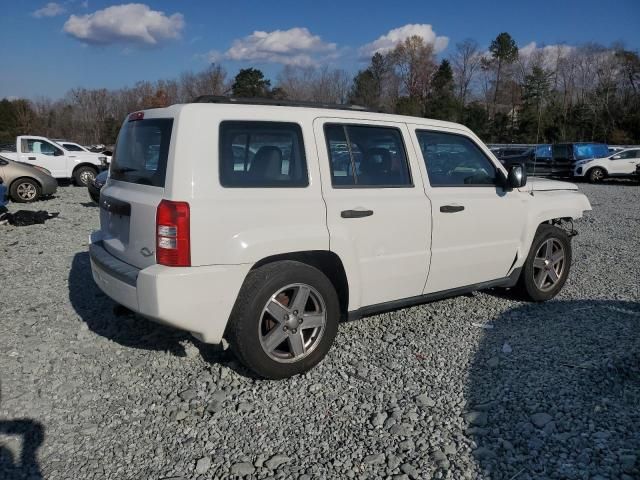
(295,312)
(294,330)
(299,320)
(285,328)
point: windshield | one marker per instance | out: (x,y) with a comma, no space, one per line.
(141,152)
(73,148)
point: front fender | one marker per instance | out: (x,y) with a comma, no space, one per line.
(551,205)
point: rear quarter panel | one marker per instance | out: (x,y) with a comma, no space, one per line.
(240,225)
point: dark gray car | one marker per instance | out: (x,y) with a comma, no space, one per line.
(24,182)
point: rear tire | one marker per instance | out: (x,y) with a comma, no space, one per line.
(25,190)
(547,266)
(596,175)
(284,320)
(83,176)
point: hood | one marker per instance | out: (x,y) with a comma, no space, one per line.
(538,184)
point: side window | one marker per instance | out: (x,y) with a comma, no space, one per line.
(262,154)
(455,160)
(367,156)
(628,154)
(39,146)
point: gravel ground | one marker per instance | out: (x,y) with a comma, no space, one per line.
(480,386)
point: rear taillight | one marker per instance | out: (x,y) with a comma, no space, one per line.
(173,239)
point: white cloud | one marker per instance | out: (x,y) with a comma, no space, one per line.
(547,55)
(51,9)
(130,24)
(393,37)
(296,46)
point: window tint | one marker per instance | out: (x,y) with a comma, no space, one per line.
(39,146)
(627,154)
(455,160)
(141,152)
(364,156)
(72,148)
(543,151)
(262,154)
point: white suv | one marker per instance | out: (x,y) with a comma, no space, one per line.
(623,163)
(266,223)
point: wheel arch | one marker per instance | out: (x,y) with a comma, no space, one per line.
(85,164)
(326,261)
(23,177)
(590,169)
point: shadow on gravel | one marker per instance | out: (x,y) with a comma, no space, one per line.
(554,391)
(27,436)
(102,316)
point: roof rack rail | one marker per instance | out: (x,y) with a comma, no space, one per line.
(274,102)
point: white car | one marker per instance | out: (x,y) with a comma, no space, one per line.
(76,147)
(81,166)
(267,224)
(620,164)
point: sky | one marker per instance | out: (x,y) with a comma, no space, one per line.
(48,48)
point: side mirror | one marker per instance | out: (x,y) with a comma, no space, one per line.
(58,153)
(516,176)
(616,157)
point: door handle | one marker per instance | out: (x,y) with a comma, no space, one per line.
(356,213)
(451,208)
(32,158)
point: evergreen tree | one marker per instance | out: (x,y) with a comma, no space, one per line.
(250,83)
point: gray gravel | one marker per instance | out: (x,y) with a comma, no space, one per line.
(480,386)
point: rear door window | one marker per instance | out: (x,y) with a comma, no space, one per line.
(142,151)
(262,154)
(367,156)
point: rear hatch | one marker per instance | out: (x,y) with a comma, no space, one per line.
(135,187)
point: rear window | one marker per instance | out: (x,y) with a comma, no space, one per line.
(141,152)
(583,151)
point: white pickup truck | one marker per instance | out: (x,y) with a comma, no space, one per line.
(81,166)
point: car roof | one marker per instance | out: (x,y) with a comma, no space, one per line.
(299,112)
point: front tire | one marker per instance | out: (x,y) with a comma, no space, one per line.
(284,320)
(596,175)
(25,190)
(83,176)
(547,266)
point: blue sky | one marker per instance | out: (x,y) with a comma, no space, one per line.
(49,47)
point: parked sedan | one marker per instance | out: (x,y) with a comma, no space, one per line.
(96,185)
(26,183)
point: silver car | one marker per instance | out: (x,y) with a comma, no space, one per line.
(26,183)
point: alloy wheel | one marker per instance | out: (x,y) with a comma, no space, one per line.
(292,323)
(549,264)
(26,191)
(87,177)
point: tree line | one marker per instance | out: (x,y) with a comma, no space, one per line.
(587,92)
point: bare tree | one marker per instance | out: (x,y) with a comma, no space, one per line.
(465,62)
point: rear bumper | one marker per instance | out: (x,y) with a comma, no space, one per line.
(196,299)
